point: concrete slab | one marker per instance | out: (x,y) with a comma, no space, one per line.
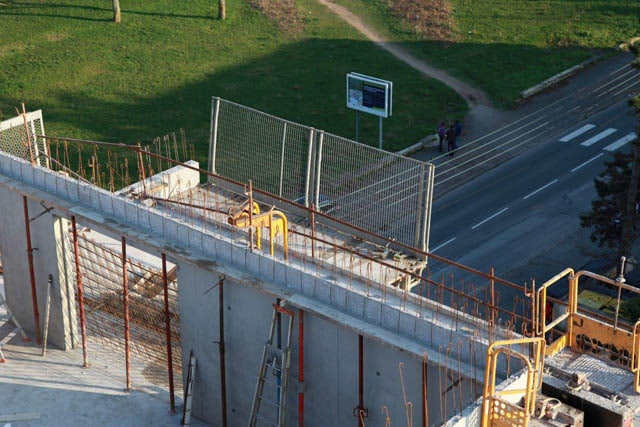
(62,392)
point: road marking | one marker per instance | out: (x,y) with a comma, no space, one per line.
(598,137)
(577,132)
(442,245)
(540,189)
(490,218)
(587,162)
(619,143)
(633,79)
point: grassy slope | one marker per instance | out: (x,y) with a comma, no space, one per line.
(156,71)
(522,41)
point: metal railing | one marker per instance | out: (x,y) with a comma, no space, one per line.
(497,411)
(586,331)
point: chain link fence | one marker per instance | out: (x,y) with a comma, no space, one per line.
(18,136)
(378,191)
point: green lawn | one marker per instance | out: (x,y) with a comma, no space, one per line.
(505,46)
(155,72)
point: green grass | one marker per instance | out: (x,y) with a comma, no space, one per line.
(505,46)
(156,71)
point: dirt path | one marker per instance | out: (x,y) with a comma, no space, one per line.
(474,97)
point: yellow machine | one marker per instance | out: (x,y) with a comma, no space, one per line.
(274,220)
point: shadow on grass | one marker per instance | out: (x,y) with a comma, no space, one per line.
(303,81)
(22,9)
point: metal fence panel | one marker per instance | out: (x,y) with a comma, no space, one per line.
(15,137)
(373,189)
(253,145)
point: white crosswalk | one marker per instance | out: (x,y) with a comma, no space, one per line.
(622,141)
(588,140)
(577,133)
(602,135)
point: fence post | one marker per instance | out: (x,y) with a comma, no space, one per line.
(307,182)
(213,132)
(318,173)
(282,151)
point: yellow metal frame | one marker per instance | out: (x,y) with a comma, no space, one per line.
(598,331)
(498,412)
(274,220)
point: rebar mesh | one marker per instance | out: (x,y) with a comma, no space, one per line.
(370,188)
(21,140)
(101,272)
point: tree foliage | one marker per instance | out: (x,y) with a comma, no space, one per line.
(608,211)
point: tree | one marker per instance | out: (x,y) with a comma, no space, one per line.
(116,11)
(615,214)
(222,9)
(609,212)
(631,207)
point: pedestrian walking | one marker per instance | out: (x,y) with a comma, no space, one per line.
(451,139)
(442,130)
(458,128)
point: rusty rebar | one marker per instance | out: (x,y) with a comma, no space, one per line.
(125,298)
(32,273)
(167,325)
(83,324)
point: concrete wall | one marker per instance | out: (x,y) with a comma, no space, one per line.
(334,314)
(331,360)
(47,241)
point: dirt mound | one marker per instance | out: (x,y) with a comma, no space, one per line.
(283,12)
(430,19)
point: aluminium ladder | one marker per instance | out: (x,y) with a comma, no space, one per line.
(12,334)
(271,389)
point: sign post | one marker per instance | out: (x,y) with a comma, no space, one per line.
(370,95)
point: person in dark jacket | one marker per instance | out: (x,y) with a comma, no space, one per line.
(442,130)
(451,140)
(457,126)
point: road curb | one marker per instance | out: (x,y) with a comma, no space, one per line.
(427,141)
(553,80)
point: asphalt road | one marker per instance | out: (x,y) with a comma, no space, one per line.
(518,191)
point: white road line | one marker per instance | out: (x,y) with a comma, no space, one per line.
(619,143)
(598,137)
(442,245)
(632,79)
(540,189)
(613,78)
(577,132)
(489,218)
(587,162)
